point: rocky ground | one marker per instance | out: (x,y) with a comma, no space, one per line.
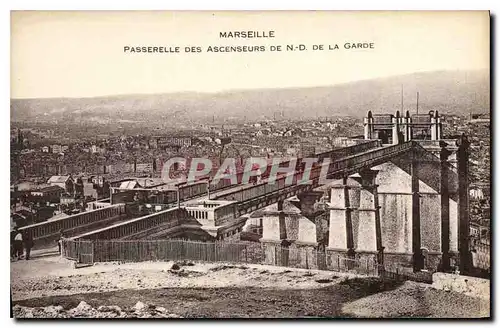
(34,279)
(50,288)
(84,310)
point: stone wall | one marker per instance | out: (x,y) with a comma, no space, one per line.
(395,214)
(396,206)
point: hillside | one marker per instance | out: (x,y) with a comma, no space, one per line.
(457,92)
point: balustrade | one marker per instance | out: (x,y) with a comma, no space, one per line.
(171,217)
(343,165)
(43,229)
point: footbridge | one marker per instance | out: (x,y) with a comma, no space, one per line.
(120,217)
(384,199)
(333,165)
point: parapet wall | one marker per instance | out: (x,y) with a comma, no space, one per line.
(47,233)
(172,217)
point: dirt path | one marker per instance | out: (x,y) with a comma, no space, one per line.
(222,291)
(51,276)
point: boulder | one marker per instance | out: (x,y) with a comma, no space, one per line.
(161,309)
(53,310)
(82,310)
(139,306)
(83,306)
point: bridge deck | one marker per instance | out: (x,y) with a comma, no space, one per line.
(334,168)
(335,164)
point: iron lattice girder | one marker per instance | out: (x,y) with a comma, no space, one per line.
(337,169)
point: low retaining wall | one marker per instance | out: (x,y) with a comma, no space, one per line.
(471,286)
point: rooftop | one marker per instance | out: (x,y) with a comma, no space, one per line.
(59,179)
(49,188)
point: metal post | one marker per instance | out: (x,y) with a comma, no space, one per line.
(463,204)
(63,242)
(402,98)
(348,220)
(307,264)
(416,238)
(417,101)
(445,208)
(178,197)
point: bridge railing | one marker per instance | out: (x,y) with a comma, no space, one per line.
(436,143)
(48,232)
(351,150)
(347,165)
(418,146)
(101,203)
(369,158)
(362,146)
(171,217)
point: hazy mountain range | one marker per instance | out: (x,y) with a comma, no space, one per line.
(457,92)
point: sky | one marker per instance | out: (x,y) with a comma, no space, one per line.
(80,54)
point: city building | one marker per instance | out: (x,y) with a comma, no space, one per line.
(63,181)
(50,194)
(56,149)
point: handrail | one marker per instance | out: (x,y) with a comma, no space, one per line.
(418,146)
(43,229)
(345,151)
(130,226)
(337,167)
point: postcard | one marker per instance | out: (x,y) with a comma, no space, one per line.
(250,164)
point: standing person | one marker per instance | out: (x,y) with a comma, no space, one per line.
(12,249)
(28,244)
(59,241)
(18,243)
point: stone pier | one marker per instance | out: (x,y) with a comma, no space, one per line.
(340,239)
(274,235)
(369,238)
(309,227)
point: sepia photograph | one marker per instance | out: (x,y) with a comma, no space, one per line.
(250,165)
